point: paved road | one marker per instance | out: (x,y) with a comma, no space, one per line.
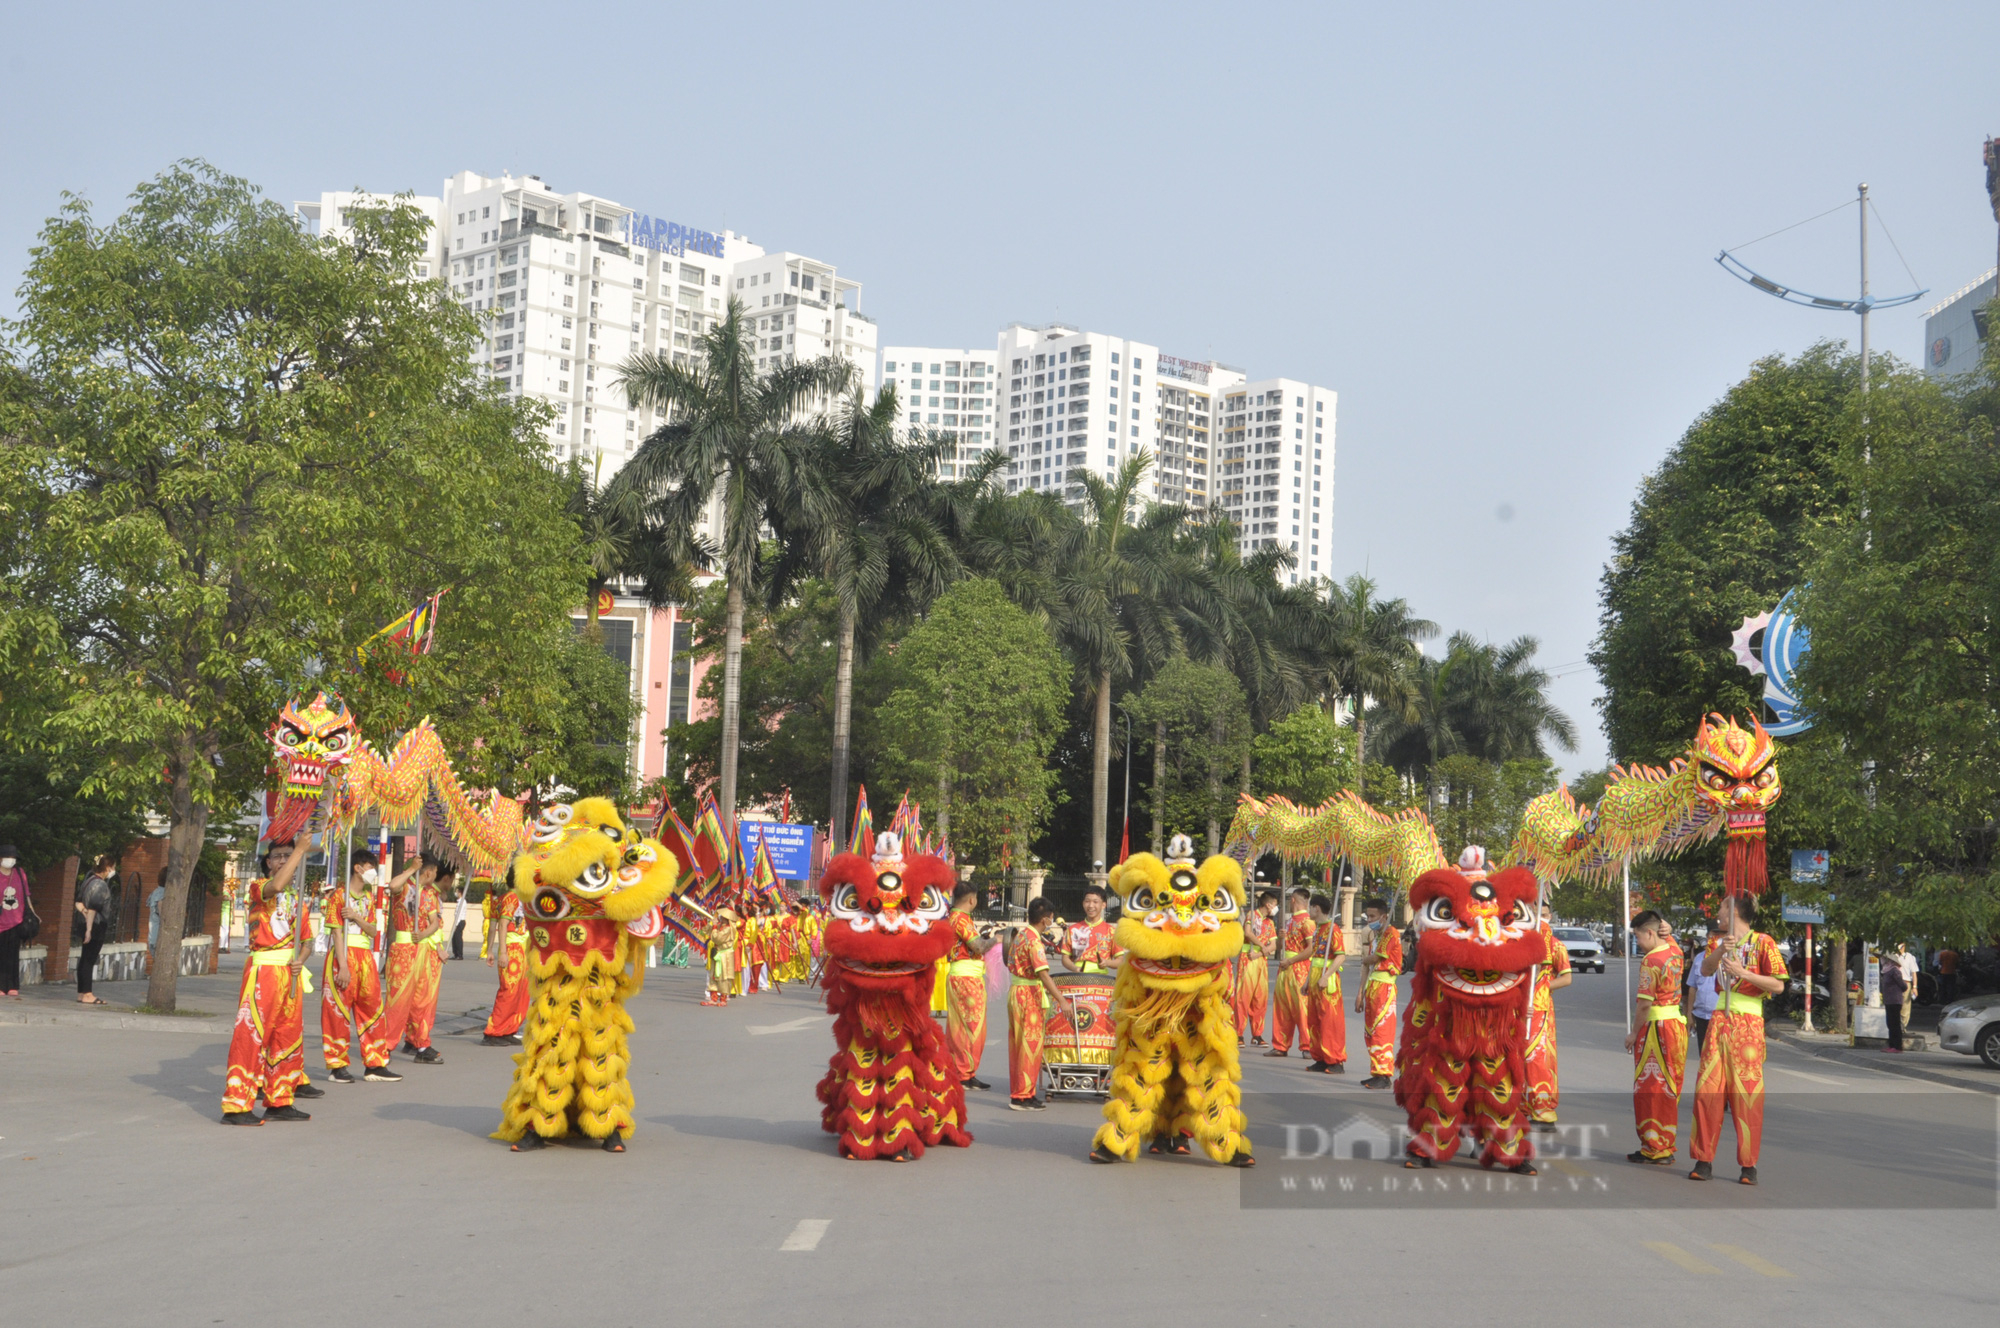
(126,1202)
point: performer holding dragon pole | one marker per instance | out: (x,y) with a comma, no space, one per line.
(1658,1043)
(890,1090)
(1174,1067)
(1732,1053)
(1377,1003)
(267,1048)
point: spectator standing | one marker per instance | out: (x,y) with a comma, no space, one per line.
(1895,990)
(1908,963)
(458,922)
(99,912)
(13,912)
(1700,1004)
(1947,966)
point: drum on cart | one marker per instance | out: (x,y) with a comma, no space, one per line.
(1077,1036)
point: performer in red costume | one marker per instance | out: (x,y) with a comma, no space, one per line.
(965,987)
(1288,1013)
(507,951)
(889,1090)
(350,1012)
(1253,969)
(1377,1002)
(1732,1051)
(1462,1066)
(267,1052)
(1544,1085)
(1324,1036)
(416,958)
(1658,1043)
(1091,946)
(1030,991)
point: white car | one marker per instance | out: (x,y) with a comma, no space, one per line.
(1971,1027)
(1584,951)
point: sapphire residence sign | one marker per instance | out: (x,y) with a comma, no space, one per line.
(670,237)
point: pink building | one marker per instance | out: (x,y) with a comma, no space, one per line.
(657,645)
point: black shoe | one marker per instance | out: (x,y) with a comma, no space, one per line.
(308,1090)
(1377,1081)
(494,1040)
(1317,1067)
(1702,1171)
(1022,1104)
(1524,1169)
(1749,1176)
(980,1084)
(613,1144)
(1242,1159)
(513,1039)
(1337,1067)
(240,1118)
(428,1056)
(382,1074)
(407,1046)
(529,1143)
(1648,1159)
(340,1076)
(1100,1153)
(286,1112)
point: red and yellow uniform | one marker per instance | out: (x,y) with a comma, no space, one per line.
(1541,1051)
(351,1012)
(1253,976)
(1289,1010)
(965,997)
(1378,1000)
(1028,963)
(415,966)
(510,1003)
(1091,946)
(1659,1058)
(267,1049)
(1732,1055)
(1324,1035)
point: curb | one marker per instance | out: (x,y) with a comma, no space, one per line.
(1846,1055)
(149,1023)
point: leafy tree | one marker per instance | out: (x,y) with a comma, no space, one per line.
(978,698)
(234,451)
(1480,802)
(1201,734)
(49,817)
(1373,644)
(743,435)
(1721,530)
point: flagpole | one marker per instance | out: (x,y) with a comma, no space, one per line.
(1625,927)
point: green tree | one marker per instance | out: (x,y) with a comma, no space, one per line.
(747,437)
(49,816)
(1307,756)
(1201,725)
(235,451)
(1373,653)
(978,697)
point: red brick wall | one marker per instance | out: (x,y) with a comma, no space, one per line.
(54,893)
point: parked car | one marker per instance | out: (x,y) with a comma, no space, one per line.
(1584,950)
(1971,1027)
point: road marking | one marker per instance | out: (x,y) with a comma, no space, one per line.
(1815,1078)
(1567,1168)
(1751,1261)
(65,1138)
(791,1026)
(806,1235)
(1680,1258)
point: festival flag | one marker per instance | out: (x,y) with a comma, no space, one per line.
(1125,841)
(674,833)
(713,852)
(763,879)
(414,633)
(862,841)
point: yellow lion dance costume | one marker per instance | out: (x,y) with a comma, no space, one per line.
(593,891)
(1174,1072)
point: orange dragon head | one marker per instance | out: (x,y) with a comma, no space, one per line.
(309,739)
(1477,940)
(885,925)
(1736,774)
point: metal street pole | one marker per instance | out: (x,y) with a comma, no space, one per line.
(1864,292)
(1626,929)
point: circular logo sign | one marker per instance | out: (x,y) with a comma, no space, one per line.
(1940,352)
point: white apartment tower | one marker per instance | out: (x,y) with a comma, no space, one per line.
(568,286)
(949,391)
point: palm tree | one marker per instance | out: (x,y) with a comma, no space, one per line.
(1375,651)
(618,544)
(1500,702)
(732,430)
(893,542)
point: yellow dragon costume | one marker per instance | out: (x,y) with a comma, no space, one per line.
(593,890)
(1174,1071)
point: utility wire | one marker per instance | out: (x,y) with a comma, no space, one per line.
(1795,225)
(1893,245)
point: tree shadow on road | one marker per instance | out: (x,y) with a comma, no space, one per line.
(801,1134)
(474,1119)
(194,1080)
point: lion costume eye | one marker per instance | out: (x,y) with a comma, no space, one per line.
(549,828)
(1523,914)
(1436,913)
(549,904)
(1140,900)
(846,902)
(593,880)
(935,905)
(1222,904)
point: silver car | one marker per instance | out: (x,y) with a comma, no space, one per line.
(1971,1027)
(1584,951)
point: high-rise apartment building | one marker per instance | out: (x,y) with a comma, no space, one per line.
(942,390)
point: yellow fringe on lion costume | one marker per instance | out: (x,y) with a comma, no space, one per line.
(1174,1071)
(593,890)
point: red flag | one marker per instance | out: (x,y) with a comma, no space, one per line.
(1125,841)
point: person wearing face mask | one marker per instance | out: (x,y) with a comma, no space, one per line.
(351,1010)
(13,913)
(1377,1002)
(97,909)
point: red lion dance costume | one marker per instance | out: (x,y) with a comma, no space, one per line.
(889,1091)
(1462,1066)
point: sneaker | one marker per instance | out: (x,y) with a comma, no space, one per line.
(513,1039)
(1317,1067)
(428,1056)
(1749,1176)
(286,1112)
(240,1118)
(1647,1159)
(979,1084)
(382,1074)
(1376,1081)
(1336,1067)
(1702,1171)
(494,1040)
(339,1075)
(308,1090)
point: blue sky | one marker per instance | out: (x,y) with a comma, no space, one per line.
(1491,228)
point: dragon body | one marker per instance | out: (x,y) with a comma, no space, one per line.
(1401,847)
(313,740)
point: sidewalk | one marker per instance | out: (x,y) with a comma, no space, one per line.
(1939,1067)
